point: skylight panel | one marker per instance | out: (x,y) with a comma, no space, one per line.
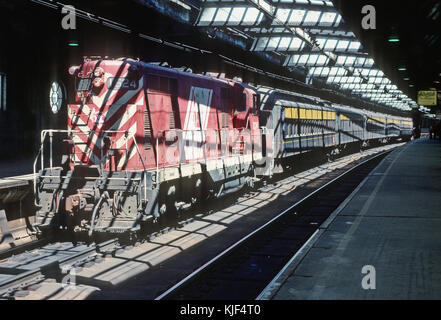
(359,62)
(284,43)
(207,16)
(273,43)
(312,17)
(316,2)
(312,59)
(296,44)
(261,44)
(369,62)
(342,45)
(293,60)
(343,61)
(297,17)
(330,44)
(282,14)
(251,16)
(328,18)
(236,15)
(303,59)
(322,59)
(354,46)
(221,16)
(373,73)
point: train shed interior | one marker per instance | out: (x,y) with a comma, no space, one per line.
(322,183)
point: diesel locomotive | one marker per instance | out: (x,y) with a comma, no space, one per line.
(145,141)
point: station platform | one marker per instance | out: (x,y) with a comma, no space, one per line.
(15,179)
(391,222)
(16,167)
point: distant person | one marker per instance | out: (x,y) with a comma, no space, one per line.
(431,132)
(437,130)
(416,132)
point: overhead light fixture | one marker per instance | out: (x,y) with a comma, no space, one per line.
(394,39)
(402,69)
(73,43)
(406,79)
(411,86)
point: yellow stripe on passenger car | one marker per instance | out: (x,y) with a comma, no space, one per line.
(333,115)
(295,113)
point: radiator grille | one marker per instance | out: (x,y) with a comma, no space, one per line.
(147,130)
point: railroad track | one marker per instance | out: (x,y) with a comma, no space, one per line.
(28,271)
(245,268)
(40,273)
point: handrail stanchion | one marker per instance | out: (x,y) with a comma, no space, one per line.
(157,160)
(143,165)
(192,146)
(50,148)
(42,138)
(163,154)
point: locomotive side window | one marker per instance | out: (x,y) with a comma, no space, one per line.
(161,84)
(153,83)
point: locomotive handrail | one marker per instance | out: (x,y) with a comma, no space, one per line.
(50,132)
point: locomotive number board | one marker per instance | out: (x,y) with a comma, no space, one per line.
(118,83)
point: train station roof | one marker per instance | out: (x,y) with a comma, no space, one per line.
(309,35)
(307,43)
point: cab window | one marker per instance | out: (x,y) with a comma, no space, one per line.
(242,103)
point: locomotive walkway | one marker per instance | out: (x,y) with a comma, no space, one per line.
(391,222)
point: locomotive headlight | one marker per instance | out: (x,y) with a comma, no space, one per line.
(98,72)
(98,82)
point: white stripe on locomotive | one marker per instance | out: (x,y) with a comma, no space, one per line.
(198,111)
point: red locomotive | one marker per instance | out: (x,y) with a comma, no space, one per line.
(144,141)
